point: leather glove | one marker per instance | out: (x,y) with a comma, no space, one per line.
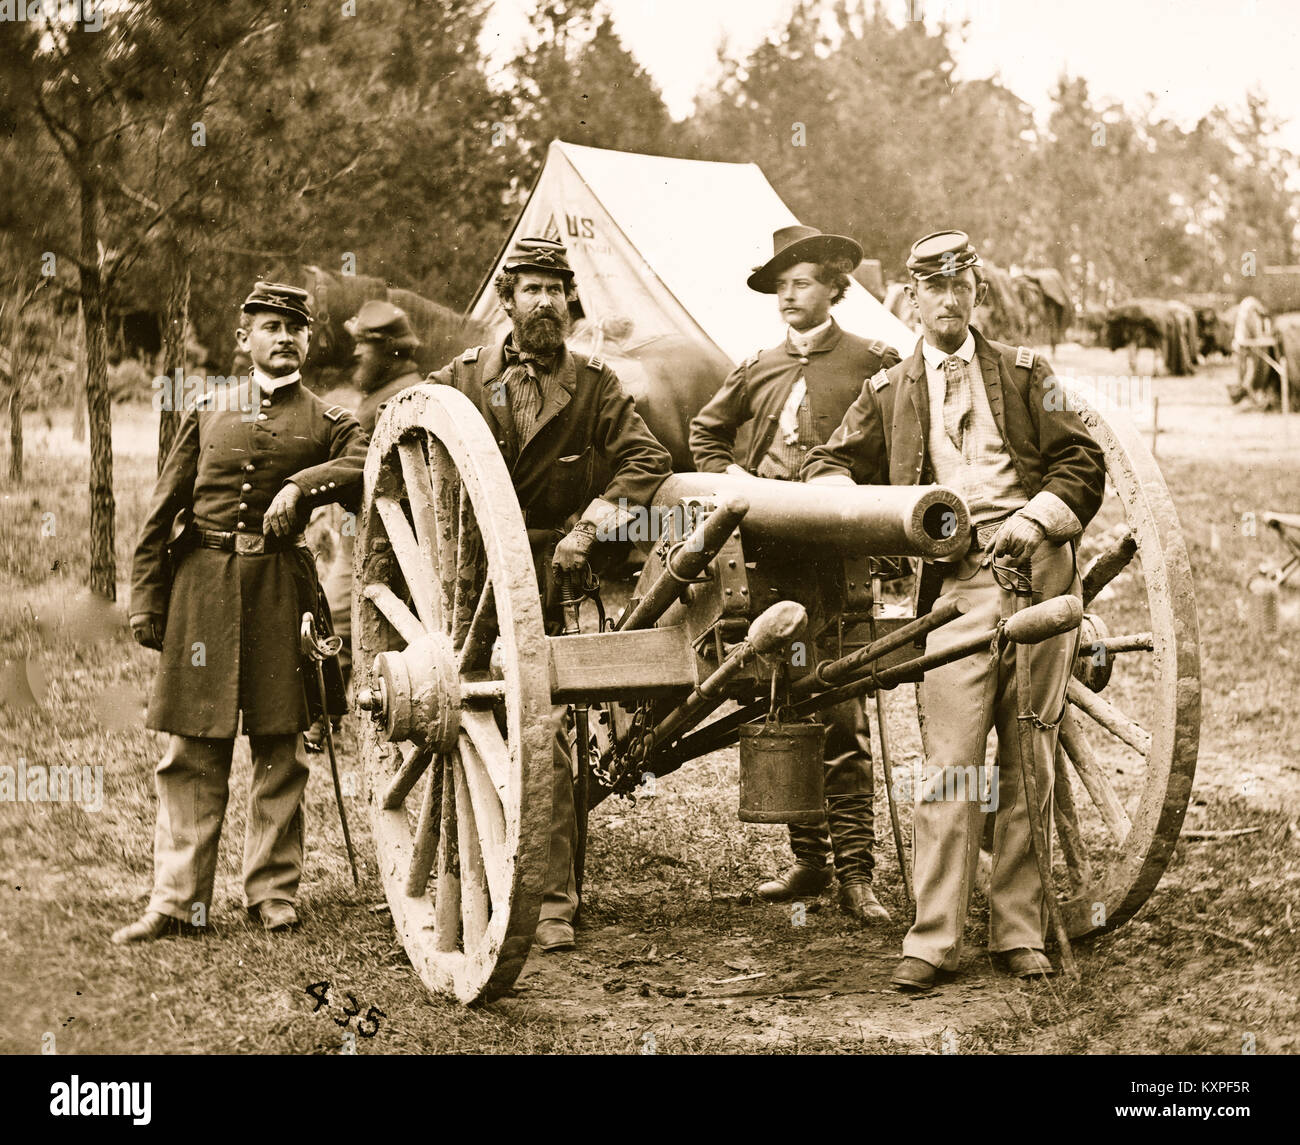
(147,628)
(571,552)
(282,517)
(1017,540)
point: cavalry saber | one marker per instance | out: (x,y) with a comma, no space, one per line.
(1029,785)
(318,651)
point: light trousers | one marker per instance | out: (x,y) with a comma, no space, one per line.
(193,784)
(960,703)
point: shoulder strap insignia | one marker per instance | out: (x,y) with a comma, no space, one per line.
(471,355)
(595,363)
(878,348)
(335,413)
(879,380)
(1024,356)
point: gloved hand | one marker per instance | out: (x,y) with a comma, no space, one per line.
(1017,540)
(147,628)
(282,517)
(571,553)
(736,470)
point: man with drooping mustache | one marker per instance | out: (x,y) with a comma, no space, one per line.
(554,413)
(989,421)
(223,603)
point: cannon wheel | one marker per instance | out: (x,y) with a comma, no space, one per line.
(452,663)
(1132,727)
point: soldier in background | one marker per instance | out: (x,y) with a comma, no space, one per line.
(384,365)
(227,621)
(796,393)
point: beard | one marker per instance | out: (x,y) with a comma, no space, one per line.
(368,374)
(541,331)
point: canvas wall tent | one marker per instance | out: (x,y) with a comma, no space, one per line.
(661,249)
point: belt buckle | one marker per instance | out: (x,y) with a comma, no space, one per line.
(249,544)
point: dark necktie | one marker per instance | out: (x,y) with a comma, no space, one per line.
(958,404)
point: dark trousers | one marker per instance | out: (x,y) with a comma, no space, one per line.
(847,833)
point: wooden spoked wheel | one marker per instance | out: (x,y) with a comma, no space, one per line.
(453,681)
(1128,743)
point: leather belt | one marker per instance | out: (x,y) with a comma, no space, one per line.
(247,544)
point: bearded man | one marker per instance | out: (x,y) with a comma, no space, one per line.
(383,365)
(553,412)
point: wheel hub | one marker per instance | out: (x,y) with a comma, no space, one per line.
(417,693)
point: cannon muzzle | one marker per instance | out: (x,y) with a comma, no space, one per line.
(928,521)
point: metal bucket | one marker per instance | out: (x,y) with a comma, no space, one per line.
(781,771)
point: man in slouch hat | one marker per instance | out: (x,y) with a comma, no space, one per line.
(224,604)
(795,394)
(988,421)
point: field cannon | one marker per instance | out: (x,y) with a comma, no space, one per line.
(763,595)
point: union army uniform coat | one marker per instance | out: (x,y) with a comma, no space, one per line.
(834,368)
(882,439)
(231,640)
(588,441)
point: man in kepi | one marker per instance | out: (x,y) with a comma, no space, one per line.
(795,394)
(384,354)
(227,624)
(552,411)
(990,422)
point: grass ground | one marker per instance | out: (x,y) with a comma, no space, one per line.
(674,956)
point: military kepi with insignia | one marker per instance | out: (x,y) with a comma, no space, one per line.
(978,417)
(227,624)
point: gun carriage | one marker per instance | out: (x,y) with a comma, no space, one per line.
(765,594)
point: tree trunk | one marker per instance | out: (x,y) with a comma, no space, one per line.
(16,429)
(173,356)
(78,389)
(103,559)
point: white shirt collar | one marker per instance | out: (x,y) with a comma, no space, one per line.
(801,339)
(935,357)
(270,385)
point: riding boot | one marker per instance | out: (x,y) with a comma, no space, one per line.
(853,835)
(811,844)
(811,873)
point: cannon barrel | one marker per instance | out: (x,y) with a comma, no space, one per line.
(928,521)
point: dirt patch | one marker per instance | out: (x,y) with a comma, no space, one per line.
(740,981)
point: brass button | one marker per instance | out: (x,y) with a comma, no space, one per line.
(242,506)
(249,467)
(240,525)
(261,417)
(245,487)
(266,401)
(331,484)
